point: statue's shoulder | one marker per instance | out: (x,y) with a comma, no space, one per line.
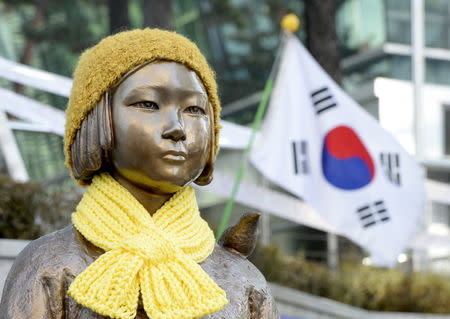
(50,253)
(229,266)
(37,281)
(246,288)
(54,244)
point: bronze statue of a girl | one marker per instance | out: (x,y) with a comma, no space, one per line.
(142,124)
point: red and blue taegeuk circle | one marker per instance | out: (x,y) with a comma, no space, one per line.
(346,163)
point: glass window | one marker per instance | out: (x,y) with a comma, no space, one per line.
(437,72)
(42,154)
(437,23)
(398,20)
(392,66)
(438,175)
(360,25)
(363,73)
(440,214)
(447,130)
(400,67)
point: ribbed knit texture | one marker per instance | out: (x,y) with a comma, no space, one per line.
(155,256)
(101,67)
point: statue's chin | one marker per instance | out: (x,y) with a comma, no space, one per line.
(160,187)
(166,182)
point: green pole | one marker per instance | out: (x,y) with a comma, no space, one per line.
(240,173)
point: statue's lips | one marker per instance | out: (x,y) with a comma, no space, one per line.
(174,156)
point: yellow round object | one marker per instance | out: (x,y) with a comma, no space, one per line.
(290,22)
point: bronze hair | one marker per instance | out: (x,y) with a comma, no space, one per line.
(93,141)
(206,175)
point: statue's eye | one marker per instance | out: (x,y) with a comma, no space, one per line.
(195,110)
(150,105)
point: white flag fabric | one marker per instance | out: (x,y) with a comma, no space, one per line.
(319,144)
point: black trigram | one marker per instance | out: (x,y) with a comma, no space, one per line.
(322,100)
(300,157)
(372,214)
(390,162)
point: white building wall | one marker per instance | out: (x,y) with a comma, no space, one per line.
(396,113)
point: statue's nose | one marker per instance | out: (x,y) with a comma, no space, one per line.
(174,129)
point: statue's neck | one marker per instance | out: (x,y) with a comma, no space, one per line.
(150,200)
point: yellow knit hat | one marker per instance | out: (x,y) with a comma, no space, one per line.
(101,67)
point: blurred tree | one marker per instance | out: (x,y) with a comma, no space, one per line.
(50,35)
(157,14)
(47,41)
(371,288)
(29,210)
(36,22)
(119,19)
(321,39)
(243,38)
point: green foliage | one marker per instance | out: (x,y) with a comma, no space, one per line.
(361,286)
(28,210)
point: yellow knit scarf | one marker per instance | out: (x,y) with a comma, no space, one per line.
(156,256)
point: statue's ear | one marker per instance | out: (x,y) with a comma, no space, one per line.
(207,174)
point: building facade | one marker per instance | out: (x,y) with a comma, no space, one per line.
(375,37)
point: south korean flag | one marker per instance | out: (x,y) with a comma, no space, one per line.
(319,144)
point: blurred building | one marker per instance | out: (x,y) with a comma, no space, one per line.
(375,42)
(377,66)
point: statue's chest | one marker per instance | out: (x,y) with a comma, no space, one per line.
(245,288)
(237,307)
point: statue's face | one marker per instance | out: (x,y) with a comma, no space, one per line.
(162,127)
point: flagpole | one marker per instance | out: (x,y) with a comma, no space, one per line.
(290,23)
(265,218)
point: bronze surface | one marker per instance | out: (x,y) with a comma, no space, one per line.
(36,287)
(241,237)
(162,123)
